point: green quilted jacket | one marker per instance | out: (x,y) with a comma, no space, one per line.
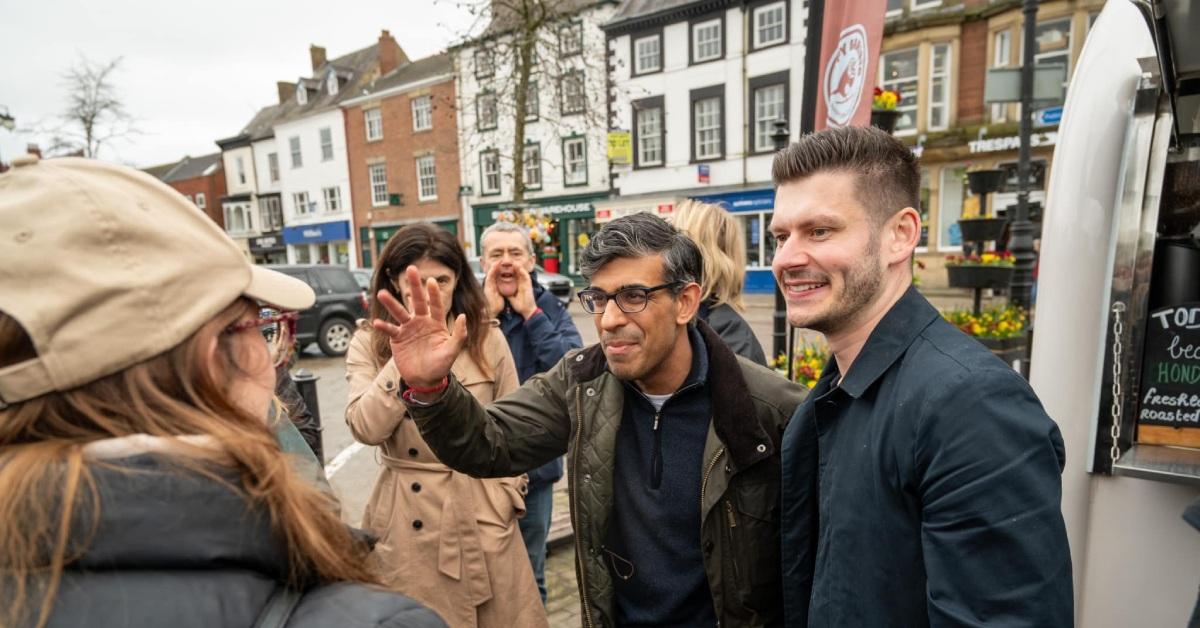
(575,408)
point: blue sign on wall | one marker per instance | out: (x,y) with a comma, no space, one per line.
(322,232)
(743,200)
(1047,117)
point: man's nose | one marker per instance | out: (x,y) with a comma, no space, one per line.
(790,255)
(612,316)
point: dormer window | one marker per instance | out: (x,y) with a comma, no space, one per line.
(301,93)
(331,83)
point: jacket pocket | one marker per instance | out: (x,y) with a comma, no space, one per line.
(753,514)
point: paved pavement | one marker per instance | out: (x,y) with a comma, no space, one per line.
(352,468)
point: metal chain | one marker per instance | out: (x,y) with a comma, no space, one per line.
(1118,308)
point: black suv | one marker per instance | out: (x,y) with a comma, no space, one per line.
(330,321)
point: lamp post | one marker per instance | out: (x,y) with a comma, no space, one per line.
(779,334)
(1021,229)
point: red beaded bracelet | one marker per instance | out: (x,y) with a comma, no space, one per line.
(445,383)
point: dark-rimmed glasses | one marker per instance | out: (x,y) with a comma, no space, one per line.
(630,300)
(276,327)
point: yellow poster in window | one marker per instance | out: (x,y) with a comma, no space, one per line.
(620,147)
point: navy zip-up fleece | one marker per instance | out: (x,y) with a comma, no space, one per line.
(653,544)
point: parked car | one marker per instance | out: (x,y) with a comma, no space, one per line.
(558,285)
(363,277)
(340,302)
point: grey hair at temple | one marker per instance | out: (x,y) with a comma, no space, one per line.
(643,235)
(505,227)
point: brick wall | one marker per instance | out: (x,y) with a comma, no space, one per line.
(398,150)
(971,72)
(212,187)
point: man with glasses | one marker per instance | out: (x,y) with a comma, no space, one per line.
(672,440)
(540,332)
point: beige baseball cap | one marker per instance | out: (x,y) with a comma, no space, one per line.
(104,267)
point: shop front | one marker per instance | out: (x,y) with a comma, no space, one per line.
(268,248)
(569,218)
(753,209)
(375,237)
(945,197)
(319,243)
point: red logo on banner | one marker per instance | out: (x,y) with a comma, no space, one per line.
(851,34)
(846,76)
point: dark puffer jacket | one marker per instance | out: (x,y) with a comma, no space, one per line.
(174,548)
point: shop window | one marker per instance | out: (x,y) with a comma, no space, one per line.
(924,208)
(950,206)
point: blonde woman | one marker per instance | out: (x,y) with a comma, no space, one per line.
(449,540)
(722,245)
(140,482)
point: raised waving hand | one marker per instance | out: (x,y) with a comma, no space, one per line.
(423,347)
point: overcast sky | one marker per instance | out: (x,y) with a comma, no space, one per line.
(191,72)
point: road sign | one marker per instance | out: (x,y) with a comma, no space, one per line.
(1051,116)
(702,173)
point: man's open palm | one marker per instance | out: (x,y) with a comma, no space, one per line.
(423,348)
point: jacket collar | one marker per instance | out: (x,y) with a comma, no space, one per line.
(888,341)
(738,427)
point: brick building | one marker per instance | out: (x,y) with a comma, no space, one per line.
(402,145)
(201,180)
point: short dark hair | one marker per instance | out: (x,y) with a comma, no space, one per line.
(643,235)
(888,176)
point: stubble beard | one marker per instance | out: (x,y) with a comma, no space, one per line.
(860,287)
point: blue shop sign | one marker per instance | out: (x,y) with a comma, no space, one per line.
(743,200)
(322,232)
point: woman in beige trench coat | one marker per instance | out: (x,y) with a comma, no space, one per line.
(449,540)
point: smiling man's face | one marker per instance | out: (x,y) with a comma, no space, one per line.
(827,251)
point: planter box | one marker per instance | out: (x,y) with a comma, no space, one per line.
(1001,344)
(982,229)
(979,276)
(985,181)
(885,119)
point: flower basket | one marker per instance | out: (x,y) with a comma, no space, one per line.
(1001,344)
(979,276)
(982,229)
(985,181)
(885,119)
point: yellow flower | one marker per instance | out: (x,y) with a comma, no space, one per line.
(812,383)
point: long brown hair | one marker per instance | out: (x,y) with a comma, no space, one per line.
(411,245)
(46,480)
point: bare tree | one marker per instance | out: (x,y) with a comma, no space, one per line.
(526,41)
(94,114)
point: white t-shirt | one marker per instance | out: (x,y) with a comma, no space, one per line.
(657,400)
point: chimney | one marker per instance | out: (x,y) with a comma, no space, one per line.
(390,53)
(317,54)
(287,91)
(33,149)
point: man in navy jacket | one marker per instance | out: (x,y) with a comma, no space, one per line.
(539,332)
(921,477)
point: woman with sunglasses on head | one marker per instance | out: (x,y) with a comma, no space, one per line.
(140,481)
(449,540)
(723,251)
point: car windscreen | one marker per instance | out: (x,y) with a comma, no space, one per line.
(338,281)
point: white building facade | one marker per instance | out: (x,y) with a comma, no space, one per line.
(314,188)
(566,169)
(698,88)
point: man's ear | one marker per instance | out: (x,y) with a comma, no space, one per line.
(901,235)
(689,301)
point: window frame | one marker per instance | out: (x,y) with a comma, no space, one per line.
(427,99)
(783,78)
(1038,56)
(331,83)
(297,205)
(532,88)
(421,197)
(656,33)
(322,133)
(536,146)
(646,104)
(917,5)
(566,161)
(336,198)
(950,168)
(487,93)
(201,201)
(764,5)
(486,54)
(295,148)
(240,161)
(375,120)
(270,213)
(577,26)
(484,155)
(273,167)
(998,112)
(703,20)
(373,184)
(697,95)
(948,77)
(301,94)
(914,98)
(562,89)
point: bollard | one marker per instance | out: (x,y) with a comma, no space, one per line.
(306,383)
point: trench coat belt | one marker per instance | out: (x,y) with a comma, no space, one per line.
(460,551)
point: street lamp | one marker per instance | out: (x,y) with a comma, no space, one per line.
(779,334)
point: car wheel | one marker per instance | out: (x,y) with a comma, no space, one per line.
(334,337)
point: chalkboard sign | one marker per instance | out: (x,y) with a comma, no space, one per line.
(1170,390)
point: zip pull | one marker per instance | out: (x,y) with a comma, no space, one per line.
(656,456)
(730,515)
